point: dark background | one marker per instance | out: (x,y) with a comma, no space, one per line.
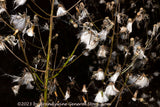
(66,42)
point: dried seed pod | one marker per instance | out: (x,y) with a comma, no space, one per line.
(129,25)
(30,31)
(84,89)
(67,95)
(102,51)
(15,89)
(134,98)
(132,42)
(99,75)
(2,6)
(84,99)
(55,93)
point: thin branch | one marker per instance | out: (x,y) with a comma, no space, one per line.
(48,55)
(65,64)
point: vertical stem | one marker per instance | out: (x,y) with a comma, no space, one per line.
(48,55)
(112,41)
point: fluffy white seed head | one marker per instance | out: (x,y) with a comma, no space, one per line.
(19,3)
(56,2)
(99,75)
(83,15)
(111,90)
(19,21)
(84,89)
(132,78)
(114,77)
(101,97)
(123,29)
(90,39)
(61,10)
(30,31)
(102,1)
(27,79)
(102,51)
(2,47)
(103,34)
(15,89)
(2,10)
(11,40)
(129,25)
(67,94)
(16,79)
(138,50)
(142,81)
(134,98)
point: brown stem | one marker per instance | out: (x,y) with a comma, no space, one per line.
(48,55)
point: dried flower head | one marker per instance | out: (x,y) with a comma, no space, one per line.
(67,95)
(129,25)
(90,39)
(2,46)
(84,89)
(99,75)
(26,79)
(110,5)
(2,6)
(124,33)
(11,40)
(102,51)
(102,1)
(111,90)
(19,3)
(132,42)
(103,34)
(56,2)
(20,22)
(134,98)
(101,97)
(15,89)
(115,76)
(137,50)
(140,80)
(107,24)
(30,31)
(121,18)
(155,29)
(61,10)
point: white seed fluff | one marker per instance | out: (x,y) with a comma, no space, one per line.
(100,97)
(129,27)
(111,90)
(99,75)
(19,3)
(114,77)
(67,95)
(15,89)
(90,39)
(61,11)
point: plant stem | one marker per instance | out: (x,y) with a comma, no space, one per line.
(65,64)
(48,55)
